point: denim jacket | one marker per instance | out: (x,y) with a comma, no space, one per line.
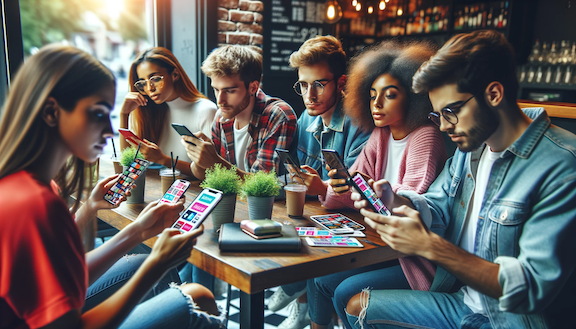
(341,136)
(527,224)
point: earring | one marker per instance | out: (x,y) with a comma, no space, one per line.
(252,95)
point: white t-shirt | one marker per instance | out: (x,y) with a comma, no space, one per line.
(468,240)
(241,141)
(393,159)
(197,116)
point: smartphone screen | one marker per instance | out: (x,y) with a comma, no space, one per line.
(334,161)
(369,195)
(198,210)
(126,181)
(290,164)
(333,223)
(176,191)
(129,134)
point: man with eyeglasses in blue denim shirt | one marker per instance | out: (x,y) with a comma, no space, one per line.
(499,220)
(321,65)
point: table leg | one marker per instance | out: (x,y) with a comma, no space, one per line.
(251,310)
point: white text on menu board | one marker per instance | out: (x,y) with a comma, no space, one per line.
(302,11)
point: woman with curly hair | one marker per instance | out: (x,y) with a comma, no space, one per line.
(404,148)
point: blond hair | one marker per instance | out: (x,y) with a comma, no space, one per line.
(321,49)
(234,60)
(148,121)
(65,73)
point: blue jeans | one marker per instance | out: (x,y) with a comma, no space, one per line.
(417,309)
(191,273)
(165,306)
(332,292)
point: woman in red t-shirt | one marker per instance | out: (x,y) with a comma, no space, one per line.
(56,120)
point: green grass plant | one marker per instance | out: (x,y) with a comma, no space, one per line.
(222,179)
(261,184)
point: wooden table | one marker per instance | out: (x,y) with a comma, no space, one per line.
(252,273)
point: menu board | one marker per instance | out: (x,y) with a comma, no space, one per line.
(287,24)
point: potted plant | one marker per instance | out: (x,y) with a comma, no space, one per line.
(260,188)
(126,159)
(228,182)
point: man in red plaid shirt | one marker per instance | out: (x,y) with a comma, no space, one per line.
(249,124)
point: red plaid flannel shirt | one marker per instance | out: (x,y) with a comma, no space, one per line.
(272,125)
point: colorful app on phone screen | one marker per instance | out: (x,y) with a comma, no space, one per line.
(175,191)
(370,195)
(126,181)
(198,210)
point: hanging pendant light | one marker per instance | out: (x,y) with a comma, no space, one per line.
(333,12)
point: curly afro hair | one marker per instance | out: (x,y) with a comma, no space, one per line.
(400,60)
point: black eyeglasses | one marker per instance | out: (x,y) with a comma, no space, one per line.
(448,114)
(301,87)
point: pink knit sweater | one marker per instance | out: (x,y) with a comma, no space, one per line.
(422,161)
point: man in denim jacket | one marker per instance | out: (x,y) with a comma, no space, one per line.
(321,64)
(499,220)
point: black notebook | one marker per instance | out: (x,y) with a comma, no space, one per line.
(233,239)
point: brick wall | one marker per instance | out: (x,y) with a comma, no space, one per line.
(240,22)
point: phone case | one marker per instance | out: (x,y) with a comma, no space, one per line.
(334,242)
(369,195)
(334,161)
(261,226)
(198,210)
(129,134)
(175,192)
(126,181)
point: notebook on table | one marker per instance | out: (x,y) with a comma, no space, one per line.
(234,240)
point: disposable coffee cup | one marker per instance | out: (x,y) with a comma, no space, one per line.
(118,169)
(167,178)
(295,199)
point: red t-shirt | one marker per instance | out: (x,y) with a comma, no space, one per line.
(43,274)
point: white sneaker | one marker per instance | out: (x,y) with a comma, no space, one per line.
(280,299)
(298,318)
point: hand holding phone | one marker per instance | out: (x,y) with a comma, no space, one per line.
(126,181)
(292,165)
(369,195)
(198,210)
(334,161)
(128,134)
(176,191)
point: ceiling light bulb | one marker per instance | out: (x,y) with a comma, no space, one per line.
(382,5)
(358,6)
(354,3)
(333,12)
(400,12)
(370,10)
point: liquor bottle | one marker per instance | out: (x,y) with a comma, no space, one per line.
(490,17)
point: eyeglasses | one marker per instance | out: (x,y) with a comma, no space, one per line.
(448,114)
(301,87)
(156,81)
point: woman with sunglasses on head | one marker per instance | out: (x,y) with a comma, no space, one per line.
(404,148)
(162,94)
(54,123)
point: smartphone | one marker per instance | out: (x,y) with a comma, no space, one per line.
(127,133)
(369,195)
(198,210)
(334,161)
(292,165)
(335,223)
(126,181)
(184,131)
(176,191)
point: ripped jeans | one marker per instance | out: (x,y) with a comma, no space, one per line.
(415,309)
(165,306)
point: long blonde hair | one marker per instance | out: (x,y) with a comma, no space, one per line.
(148,121)
(65,73)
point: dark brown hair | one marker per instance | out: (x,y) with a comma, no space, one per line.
(318,50)
(148,121)
(472,61)
(400,60)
